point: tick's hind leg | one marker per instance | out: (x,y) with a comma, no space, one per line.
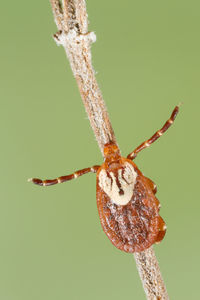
(62,179)
(152,185)
(154,137)
(162,230)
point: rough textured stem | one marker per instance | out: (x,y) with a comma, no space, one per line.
(150,275)
(73,35)
(71,20)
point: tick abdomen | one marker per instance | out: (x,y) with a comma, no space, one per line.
(131,222)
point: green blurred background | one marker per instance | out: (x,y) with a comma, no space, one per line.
(147,61)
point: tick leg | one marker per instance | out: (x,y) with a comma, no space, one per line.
(162,230)
(62,179)
(152,185)
(154,137)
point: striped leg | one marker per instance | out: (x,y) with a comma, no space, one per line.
(158,134)
(62,179)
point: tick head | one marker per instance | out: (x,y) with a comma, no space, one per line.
(111,152)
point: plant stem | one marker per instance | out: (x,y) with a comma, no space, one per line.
(72,22)
(74,36)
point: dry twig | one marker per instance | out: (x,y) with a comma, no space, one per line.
(71,20)
(73,35)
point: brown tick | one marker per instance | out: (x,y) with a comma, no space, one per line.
(128,208)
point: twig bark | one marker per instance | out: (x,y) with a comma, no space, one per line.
(72,22)
(150,275)
(73,35)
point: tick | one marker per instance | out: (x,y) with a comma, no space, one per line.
(126,202)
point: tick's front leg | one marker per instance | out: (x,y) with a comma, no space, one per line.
(62,179)
(156,135)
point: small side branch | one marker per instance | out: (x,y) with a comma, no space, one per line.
(72,22)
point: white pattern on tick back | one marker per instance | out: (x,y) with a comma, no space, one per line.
(126,178)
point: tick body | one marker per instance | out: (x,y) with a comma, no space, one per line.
(126,202)
(128,208)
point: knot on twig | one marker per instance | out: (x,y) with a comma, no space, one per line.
(61,37)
